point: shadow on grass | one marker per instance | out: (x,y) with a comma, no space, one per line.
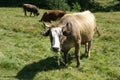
(29,71)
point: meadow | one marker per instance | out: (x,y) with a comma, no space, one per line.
(26,55)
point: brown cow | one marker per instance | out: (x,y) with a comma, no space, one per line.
(71,31)
(52,15)
(30,8)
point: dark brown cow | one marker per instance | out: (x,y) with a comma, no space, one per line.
(30,8)
(71,31)
(52,15)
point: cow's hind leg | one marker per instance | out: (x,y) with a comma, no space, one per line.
(87,49)
(77,53)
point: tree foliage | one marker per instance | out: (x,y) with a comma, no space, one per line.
(58,4)
(76,5)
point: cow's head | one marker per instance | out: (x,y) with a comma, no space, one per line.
(56,33)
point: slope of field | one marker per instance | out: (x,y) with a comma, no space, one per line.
(26,55)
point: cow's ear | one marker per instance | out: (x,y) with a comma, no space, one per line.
(65,30)
(45,32)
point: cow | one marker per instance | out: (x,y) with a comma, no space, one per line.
(30,8)
(72,30)
(52,15)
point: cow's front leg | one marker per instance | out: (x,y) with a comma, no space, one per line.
(66,58)
(34,14)
(65,51)
(25,12)
(77,52)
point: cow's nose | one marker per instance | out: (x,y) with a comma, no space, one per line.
(55,49)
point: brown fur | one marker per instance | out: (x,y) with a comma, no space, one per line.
(52,15)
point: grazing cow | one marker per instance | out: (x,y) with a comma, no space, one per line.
(30,8)
(52,15)
(71,31)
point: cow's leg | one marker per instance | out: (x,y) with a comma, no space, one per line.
(30,14)
(77,52)
(34,14)
(66,57)
(25,12)
(87,49)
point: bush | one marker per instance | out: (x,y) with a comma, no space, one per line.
(58,4)
(76,7)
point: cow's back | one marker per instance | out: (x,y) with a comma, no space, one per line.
(55,14)
(52,15)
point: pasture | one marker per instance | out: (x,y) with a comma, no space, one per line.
(26,55)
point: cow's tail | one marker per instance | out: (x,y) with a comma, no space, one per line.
(99,34)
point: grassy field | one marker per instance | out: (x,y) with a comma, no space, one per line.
(106,3)
(26,55)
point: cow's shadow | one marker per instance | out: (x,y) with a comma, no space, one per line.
(30,70)
(50,63)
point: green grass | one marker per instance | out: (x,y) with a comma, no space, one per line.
(106,3)
(26,55)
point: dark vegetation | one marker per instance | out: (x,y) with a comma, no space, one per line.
(77,5)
